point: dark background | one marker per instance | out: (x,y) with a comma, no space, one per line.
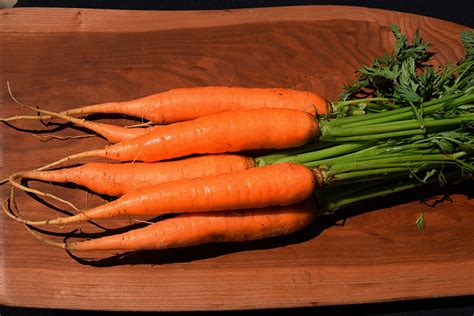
(460,12)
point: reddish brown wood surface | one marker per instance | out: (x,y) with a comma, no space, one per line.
(59,58)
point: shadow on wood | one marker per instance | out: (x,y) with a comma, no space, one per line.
(429,196)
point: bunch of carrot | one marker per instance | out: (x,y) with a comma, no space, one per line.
(189,160)
(186,167)
(272,199)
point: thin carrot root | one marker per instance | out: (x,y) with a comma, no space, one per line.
(112,133)
(47,241)
(145,124)
(13,205)
(6,210)
(47,138)
(19,117)
(86,154)
(51,115)
(15,180)
(18,218)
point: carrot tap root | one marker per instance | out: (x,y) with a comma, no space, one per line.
(15,217)
(47,241)
(85,154)
(15,181)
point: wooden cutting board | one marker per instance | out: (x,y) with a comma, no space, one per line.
(60,58)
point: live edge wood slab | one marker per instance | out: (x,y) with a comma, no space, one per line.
(59,58)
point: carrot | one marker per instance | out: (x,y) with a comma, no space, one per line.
(186,104)
(200,228)
(217,133)
(278,184)
(119,179)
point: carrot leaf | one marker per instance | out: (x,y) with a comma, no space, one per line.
(420,221)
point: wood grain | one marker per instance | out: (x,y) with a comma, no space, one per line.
(59,58)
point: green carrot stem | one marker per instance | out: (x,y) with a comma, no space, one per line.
(385,128)
(384,168)
(409,113)
(325,153)
(467,167)
(381,131)
(332,199)
(365,171)
(339,183)
(380,107)
(387,120)
(344,190)
(384,150)
(339,107)
(400,160)
(380,151)
(463,66)
(273,157)
(367,174)
(377,136)
(377,190)
(404,112)
(337,104)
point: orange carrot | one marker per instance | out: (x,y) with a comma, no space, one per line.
(218,133)
(201,228)
(118,179)
(186,104)
(272,185)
